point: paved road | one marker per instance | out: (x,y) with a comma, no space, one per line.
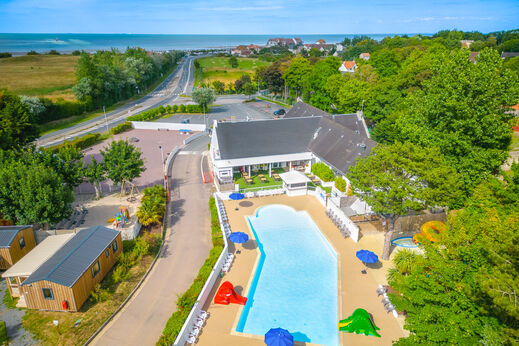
(179,82)
(187,245)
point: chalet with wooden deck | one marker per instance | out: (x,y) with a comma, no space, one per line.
(64,281)
(15,242)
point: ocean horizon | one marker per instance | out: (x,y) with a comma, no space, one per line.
(22,43)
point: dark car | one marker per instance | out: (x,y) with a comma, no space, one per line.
(185,121)
(280,112)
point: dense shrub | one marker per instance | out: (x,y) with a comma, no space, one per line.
(340,184)
(84,142)
(174,108)
(121,128)
(188,299)
(182,108)
(62,109)
(5,55)
(3,334)
(323,171)
(53,52)
(33,52)
(153,205)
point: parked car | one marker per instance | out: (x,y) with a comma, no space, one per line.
(280,112)
(185,121)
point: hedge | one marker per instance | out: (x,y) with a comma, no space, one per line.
(340,184)
(155,113)
(323,171)
(3,334)
(188,299)
(84,142)
(121,128)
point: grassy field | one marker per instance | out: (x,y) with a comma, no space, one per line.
(51,76)
(219,68)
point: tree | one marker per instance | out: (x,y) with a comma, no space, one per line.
(33,104)
(296,74)
(152,206)
(395,179)
(233,61)
(219,87)
(462,109)
(95,174)
(240,83)
(17,127)
(272,77)
(316,93)
(463,290)
(123,162)
(249,89)
(386,62)
(203,96)
(33,193)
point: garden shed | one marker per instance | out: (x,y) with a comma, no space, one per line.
(15,242)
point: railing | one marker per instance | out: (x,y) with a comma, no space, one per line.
(206,290)
(350,225)
(260,188)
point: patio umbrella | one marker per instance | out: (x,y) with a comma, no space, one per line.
(236,196)
(366,256)
(279,337)
(238,237)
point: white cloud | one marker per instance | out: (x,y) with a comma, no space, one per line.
(247,8)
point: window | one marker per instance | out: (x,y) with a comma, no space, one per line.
(21,241)
(95,269)
(114,246)
(107,253)
(47,293)
(12,280)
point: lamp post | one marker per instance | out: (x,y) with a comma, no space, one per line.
(106,120)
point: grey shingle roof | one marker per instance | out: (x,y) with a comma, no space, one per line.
(338,145)
(265,137)
(301,109)
(67,265)
(8,233)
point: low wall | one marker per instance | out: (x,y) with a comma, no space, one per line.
(131,232)
(147,125)
(352,227)
(182,337)
(193,137)
(170,158)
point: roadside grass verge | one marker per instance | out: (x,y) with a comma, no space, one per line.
(188,299)
(274,101)
(9,301)
(51,76)
(77,119)
(76,327)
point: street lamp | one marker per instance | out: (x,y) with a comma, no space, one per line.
(106,120)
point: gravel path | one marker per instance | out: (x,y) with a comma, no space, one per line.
(13,321)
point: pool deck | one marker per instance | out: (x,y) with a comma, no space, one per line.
(356,290)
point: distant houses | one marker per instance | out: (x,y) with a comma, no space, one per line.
(364,56)
(348,67)
(466,43)
(505,55)
(61,272)
(290,43)
(245,51)
(15,242)
(473,56)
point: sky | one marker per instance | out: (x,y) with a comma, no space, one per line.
(256,16)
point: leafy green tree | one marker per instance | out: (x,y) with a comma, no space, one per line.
(95,174)
(240,83)
(272,77)
(33,104)
(296,74)
(17,127)
(347,94)
(316,93)
(203,96)
(249,89)
(463,289)
(123,162)
(462,110)
(219,87)
(386,62)
(233,61)
(395,179)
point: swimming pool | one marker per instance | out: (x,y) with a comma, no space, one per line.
(295,284)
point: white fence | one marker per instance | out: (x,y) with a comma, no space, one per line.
(206,290)
(169,160)
(350,225)
(152,125)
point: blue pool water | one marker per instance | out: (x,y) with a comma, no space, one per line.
(295,284)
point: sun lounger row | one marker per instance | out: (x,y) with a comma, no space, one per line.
(264,193)
(200,321)
(228,262)
(388,306)
(341,225)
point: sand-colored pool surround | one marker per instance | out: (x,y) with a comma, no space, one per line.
(356,290)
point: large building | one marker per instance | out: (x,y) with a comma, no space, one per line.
(287,42)
(304,136)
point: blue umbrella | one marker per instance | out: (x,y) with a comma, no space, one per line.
(367,256)
(236,196)
(238,237)
(279,337)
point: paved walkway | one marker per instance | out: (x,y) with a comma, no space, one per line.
(13,322)
(186,247)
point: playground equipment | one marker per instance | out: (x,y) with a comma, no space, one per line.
(134,190)
(359,323)
(431,231)
(406,242)
(121,218)
(227,295)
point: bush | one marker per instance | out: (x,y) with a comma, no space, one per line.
(53,52)
(83,142)
(76,53)
(33,52)
(323,171)
(3,334)
(340,184)
(5,55)
(100,294)
(152,208)
(188,299)
(174,108)
(168,109)
(182,108)
(121,128)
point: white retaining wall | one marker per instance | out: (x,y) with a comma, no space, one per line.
(206,290)
(193,137)
(152,125)
(352,227)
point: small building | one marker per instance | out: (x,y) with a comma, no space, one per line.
(466,43)
(294,183)
(22,269)
(15,242)
(364,56)
(473,56)
(64,281)
(348,67)
(290,43)
(505,55)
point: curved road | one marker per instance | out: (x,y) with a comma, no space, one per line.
(186,246)
(179,82)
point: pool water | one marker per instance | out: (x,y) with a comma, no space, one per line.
(295,284)
(404,242)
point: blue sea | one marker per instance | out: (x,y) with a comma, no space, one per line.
(22,43)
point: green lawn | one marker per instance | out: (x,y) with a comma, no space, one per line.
(219,68)
(256,181)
